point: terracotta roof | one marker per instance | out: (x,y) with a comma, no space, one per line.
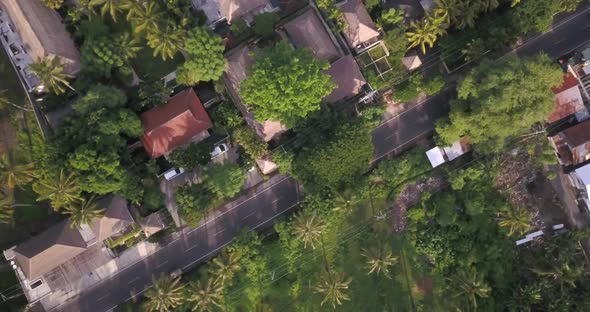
(115,219)
(348,78)
(43,32)
(569,81)
(49,250)
(174,123)
(307,31)
(360,27)
(567,103)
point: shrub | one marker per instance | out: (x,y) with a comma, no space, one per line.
(193,202)
(251,142)
(265,24)
(225,180)
(191,157)
(153,198)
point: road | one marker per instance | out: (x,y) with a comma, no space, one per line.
(256,212)
(399,133)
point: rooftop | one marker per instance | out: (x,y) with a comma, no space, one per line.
(348,78)
(115,219)
(568,100)
(173,124)
(231,9)
(572,145)
(360,27)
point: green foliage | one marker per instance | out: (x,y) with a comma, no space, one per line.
(264,24)
(391,18)
(193,202)
(99,57)
(329,6)
(337,162)
(205,59)
(396,42)
(569,5)
(224,180)
(53,4)
(498,101)
(534,15)
(251,142)
(286,84)
(402,170)
(428,30)
(192,156)
(284,161)
(410,89)
(151,94)
(153,198)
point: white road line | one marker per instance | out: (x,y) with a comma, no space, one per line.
(274,201)
(103,297)
(193,247)
(246,217)
(397,147)
(161,264)
(220,231)
(236,206)
(133,280)
(409,109)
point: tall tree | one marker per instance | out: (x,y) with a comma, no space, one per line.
(225,179)
(61,190)
(426,31)
(225,266)
(333,286)
(167,41)
(204,57)
(379,259)
(286,84)
(145,15)
(51,73)
(15,170)
(6,206)
(53,4)
(83,211)
(308,228)
(165,294)
(126,46)
(469,286)
(205,295)
(516,219)
(500,100)
(112,7)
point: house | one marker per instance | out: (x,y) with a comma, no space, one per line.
(153,224)
(580,179)
(568,102)
(31,31)
(229,11)
(237,65)
(181,120)
(440,155)
(413,9)
(412,61)
(348,78)
(572,145)
(360,31)
(55,261)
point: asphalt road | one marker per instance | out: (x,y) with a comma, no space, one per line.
(399,133)
(256,212)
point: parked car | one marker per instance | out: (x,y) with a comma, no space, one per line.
(219,149)
(173,173)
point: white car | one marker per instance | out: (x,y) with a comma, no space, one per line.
(219,149)
(173,173)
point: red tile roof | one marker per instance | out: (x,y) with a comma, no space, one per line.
(174,123)
(569,81)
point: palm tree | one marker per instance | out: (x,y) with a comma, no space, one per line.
(225,266)
(145,15)
(61,191)
(308,228)
(127,47)
(4,102)
(165,294)
(166,42)
(13,171)
(379,259)
(525,298)
(108,6)
(563,273)
(517,220)
(50,72)
(469,285)
(6,207)
(426,31)
(332,286)
(205,295)
(82,212)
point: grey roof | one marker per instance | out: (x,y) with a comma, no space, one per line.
(360,27)
(43,32)
(348,78)
(307,31)
(115,219)
(50,249)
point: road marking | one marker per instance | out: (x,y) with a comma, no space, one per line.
(407,110)
(133,280)
(274,201)
(397,147)
(161,264)
(236,206)
(246,217)
(559,41)
(220,231)
(194,246)
(103,297)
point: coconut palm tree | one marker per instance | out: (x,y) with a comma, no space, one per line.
(51,73)
(525,298)
(225,266)
(165,294)
(145,15)
(379,259)
(426,31)
(469,285)
(126,46)
(61,190)
(517,220)
(5,102)
(564,273)
(108,6)
(205,295)
(14,171)
(308,228)
(82,212)
(6,207)
(166,42)
(332,286)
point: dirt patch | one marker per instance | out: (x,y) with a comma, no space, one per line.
(409,197)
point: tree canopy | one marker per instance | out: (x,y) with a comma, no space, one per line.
(286,84)
(225,180)
(205,59)
(499,100)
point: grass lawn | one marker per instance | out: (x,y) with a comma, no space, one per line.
(147,65)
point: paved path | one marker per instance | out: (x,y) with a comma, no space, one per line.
(256,211)
(401,132)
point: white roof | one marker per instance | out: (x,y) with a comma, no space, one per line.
(436,156)
(584,174)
